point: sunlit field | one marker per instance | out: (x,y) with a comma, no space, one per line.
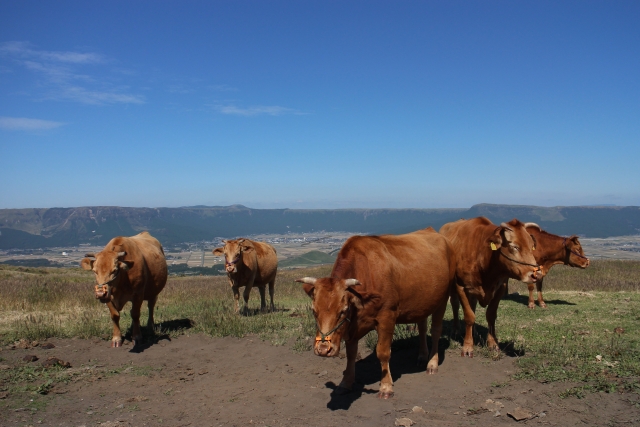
(587,335)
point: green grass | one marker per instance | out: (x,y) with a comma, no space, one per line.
(556,344)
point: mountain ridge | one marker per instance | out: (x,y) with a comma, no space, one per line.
(53,227)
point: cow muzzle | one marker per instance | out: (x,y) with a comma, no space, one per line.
(325,348)
(102,292)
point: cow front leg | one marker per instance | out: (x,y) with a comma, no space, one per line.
(541,302)
(436,332)
(455,307)
(136,305)
(349,374)
(383,351)
(263,301)
(423,348)
(245,295)
(530,287)
(116,340)
(469,320)
(492,315)
(236,297)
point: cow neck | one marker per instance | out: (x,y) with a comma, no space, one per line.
(551,249)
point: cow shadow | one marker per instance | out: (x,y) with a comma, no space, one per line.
(404,356)
(160,332)
(249,312)
(524,300)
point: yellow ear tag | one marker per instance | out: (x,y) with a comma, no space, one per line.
(493,247)
(533,248)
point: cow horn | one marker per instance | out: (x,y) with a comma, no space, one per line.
(504,225)
(351,282)
(91,255)
(121,254)
(532,224)
(307,280)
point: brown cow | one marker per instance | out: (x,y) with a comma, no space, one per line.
(249,263)
(551,250)
(487,256)
(128,269)
(376,283)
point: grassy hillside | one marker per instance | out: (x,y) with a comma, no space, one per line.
(307,260)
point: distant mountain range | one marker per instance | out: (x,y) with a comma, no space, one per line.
(57,227)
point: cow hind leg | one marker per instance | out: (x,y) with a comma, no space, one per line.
(492,315)
(136,305)
(263,301)
(116,340)
(541,302)
(272,285)
(423,351)
(469,320)
(151,304)
(436,332)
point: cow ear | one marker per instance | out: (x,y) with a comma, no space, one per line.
(125,265)
(247,248)
(218,251)
(87,263)
(495,240)
(574,239)
(309,289)
(360,299)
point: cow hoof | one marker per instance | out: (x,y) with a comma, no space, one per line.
(385,394)
(467,353)
(115,344)
(532,305)
(432,370)
(543,305)
(341,391)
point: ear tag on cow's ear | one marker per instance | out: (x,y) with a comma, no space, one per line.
(533,248)
(493,247)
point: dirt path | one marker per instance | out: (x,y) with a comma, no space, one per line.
(201,381)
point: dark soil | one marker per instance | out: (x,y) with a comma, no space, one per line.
(202,381)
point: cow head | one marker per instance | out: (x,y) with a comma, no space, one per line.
(335,305)
(514,246)
(575,254)
(107,266)
(232,251)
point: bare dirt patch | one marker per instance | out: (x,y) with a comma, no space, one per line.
(201,381)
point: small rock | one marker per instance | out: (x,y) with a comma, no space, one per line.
(497,414)
(322,374)
(30,358)
(4,367)
(520,414)
(22,344)
(120,406)
(599,358)
(4,394)
(89,412)
(418,410)
(53,361)
(619,330)
(404,422)
(48,346)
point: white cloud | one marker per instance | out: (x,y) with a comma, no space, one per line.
(65,71)
(270,110)
(23,123)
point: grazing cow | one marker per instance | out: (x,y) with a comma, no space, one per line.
(376,283)
(249,264)
(128,269)
(551,250)
(487,255)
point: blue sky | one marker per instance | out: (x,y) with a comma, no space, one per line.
(319,104)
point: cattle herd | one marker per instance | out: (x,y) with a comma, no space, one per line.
(376,282)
